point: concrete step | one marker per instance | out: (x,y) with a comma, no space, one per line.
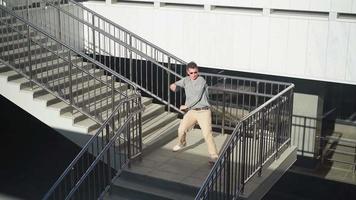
(40,57)
(7,19)
(9,45)
(161,136)
(11,75)
(31,6)
(142,187)
(4,68)
(22,52)
(20,26)
(61,84)
(101,107)
(6,37)
(58,68)
(78,91)
(48,71)
(86,97)
(158,122)
(151,111)
(88,124)
(145,101)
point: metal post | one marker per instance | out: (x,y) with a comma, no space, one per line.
(303,140)
(93,35)
(277,129)
(140,127)
(113,93)
(223,111)
(108,151)
(70,80)
(59,22)
(228,175)
(223,115)
(29,46)
(243,159)
(130,65)
(128,134)
(169,81)
(291,99)
(261,140)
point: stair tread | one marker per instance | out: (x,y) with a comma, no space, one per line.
(161,119)
(88,124)
(25,49)
(17,42)
(158,134)
(46,97)
(8,73)
(98,105)
(54,71)
(38,56)
(63,80)
(155,186)
(150,109)
(144,101)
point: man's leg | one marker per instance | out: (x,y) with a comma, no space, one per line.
(187,122)
(204,121)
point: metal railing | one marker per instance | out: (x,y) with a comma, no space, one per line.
(148,67)
(255,139)
(104,156)
(84,84)
(258,139)
(61,70)
(308,133)
(233,97)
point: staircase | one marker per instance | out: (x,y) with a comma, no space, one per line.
(340,153)
(135,186)
(92,94)
(86,72)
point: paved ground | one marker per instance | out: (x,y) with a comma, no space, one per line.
(335,171)
(189,166)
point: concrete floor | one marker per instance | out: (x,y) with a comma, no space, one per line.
(189,166)
(335,171)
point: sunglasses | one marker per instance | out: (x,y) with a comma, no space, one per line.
(192,72)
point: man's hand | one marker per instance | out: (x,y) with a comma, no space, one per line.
(173,87)
(183,108)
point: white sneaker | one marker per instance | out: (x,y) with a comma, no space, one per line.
(178,147)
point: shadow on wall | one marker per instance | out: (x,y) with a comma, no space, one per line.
(33,154)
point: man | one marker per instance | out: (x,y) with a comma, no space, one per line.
(197,109)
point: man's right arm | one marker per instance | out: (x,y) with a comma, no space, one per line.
(179,83)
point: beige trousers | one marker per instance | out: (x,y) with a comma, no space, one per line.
(203,117)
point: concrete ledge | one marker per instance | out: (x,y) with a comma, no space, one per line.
(38,108)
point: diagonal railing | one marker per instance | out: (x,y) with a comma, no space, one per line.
(90,73)
(104,156)
(147,66)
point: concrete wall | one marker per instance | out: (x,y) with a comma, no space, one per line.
(306,109)
(311,39)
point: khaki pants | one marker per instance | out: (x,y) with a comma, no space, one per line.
(203,117)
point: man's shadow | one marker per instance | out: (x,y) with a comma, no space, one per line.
(202,140)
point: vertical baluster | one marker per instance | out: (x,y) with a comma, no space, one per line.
(168,83)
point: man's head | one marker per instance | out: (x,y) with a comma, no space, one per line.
(192,70)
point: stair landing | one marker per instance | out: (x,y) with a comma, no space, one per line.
(188,166)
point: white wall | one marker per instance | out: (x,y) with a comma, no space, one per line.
(318,45)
